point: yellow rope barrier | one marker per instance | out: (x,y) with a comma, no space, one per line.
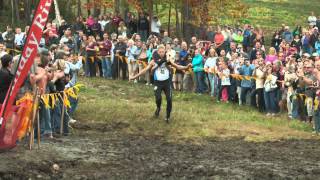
(69,92)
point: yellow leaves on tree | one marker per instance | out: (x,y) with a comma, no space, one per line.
(99,4)
(136,4)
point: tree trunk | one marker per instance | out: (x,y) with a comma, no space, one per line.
(79,8)
(157,10)
(183,18)
(1,5)
(169,20)
(88,9)
(96,10)
(69,10)
(150,6)
(178,30)
(12,13)
(27,10)
(16,7)
(124,8)
(116,5)
(188,29)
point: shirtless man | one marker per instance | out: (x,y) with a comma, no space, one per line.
(41,79)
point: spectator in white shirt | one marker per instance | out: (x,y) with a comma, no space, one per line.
(312,20)
(155,26)
(19,39)
(2,51)
(102,21)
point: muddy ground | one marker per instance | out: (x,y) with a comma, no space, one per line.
(104,151)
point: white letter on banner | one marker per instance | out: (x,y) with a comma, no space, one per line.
(33,40)
(39,20)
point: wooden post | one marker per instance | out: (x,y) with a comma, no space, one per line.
(62,115)
(34,114)
(38,132)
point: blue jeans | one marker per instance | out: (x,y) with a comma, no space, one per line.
(295,107)
(232,90)
(213,80)
(45,119)
(56,117)
(86,67)
(106,67)
(317,120)
(243,96)
(74,105)
(307,49)
(271,101)
(143,34)
(200,84)
(76,47)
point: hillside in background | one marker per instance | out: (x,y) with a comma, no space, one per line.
(270,14)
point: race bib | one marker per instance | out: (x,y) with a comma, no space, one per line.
(162,73)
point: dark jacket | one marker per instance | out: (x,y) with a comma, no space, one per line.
(122,47)
(5,80)
(143,24)
(79,26)
(253,55)
(276,41)
(313,39)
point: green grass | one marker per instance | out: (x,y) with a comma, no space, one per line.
(194,116)
(270,14)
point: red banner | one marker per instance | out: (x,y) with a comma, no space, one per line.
(29,52)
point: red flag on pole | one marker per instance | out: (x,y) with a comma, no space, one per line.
(29,52)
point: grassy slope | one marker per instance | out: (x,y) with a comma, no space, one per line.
(270,14)
(194,116)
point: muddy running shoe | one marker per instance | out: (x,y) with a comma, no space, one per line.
(72,121)
(167,120)
(156,114)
